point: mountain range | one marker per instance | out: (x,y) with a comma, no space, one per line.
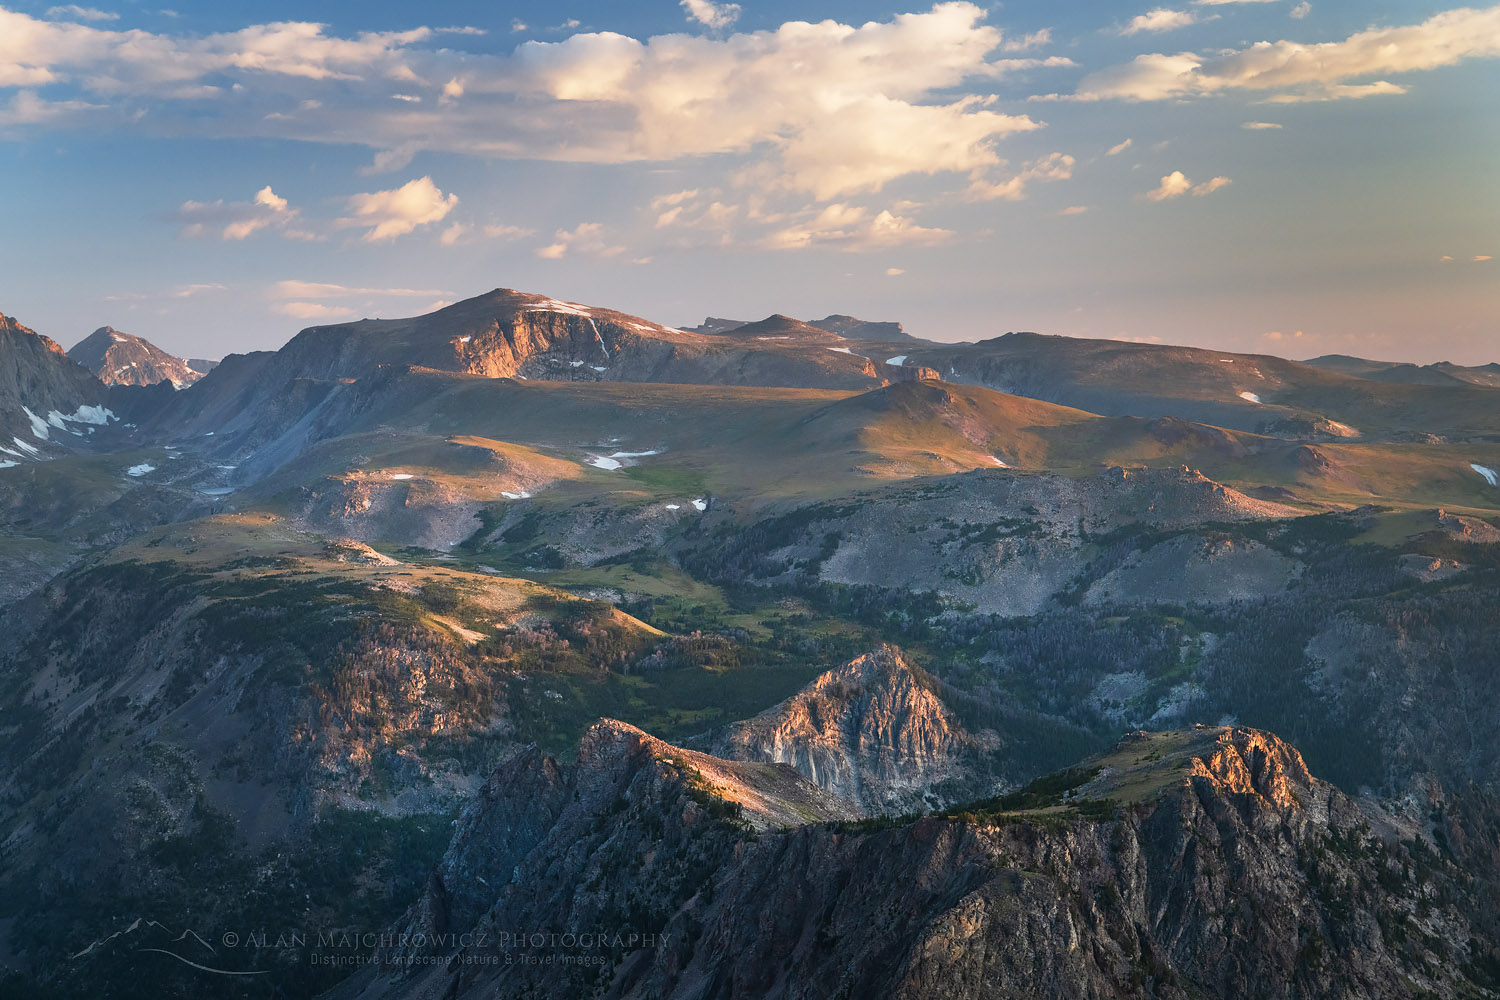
(782,658)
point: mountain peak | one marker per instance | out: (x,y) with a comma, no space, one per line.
(120,358)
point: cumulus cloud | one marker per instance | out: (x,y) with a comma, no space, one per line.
(388,214)
(1304,71)
(1053,167)
(712,15)
(1025,43)
(853,228)
(1300,11)
(587,239)
(827,109)
(238,220)
(1160,19)
(1176,184)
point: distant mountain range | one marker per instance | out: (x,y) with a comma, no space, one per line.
(122,359)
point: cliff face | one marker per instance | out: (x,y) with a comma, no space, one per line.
(46,400)
(1198,864)
(872,732)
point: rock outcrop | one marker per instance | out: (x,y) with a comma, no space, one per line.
(874,732)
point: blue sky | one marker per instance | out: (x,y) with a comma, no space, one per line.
(1258,175)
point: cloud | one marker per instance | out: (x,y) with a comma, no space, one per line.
(1160,19)
(1481,258)
(238,220)
(711,15)
(1305,71)
(294,289)
(1074,210)
(26,108)
(81,13)
(1260,126)
(313,310)
(587,239)
(463,232)
(1053,167)
(852,228)
(824,108)
(1278,335)
(396,212)
(1176,184)
(188,291)
(1025,43)
(1300,11)
(1120,147)
(893,272)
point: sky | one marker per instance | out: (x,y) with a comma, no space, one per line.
(1293,177)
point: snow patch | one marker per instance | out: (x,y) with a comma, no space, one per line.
(576,364)
(598,369)
(552,305)
(8,464)
(38,425)
(140,470)
(600,462)
(700,504)
(635,454)
(465,339)
(1250,396)
(221,491)
(117,338)
(999,462)
(898,360)
(1227,361)
(96,415)
(523,495)
(1490,476)
(783,336)
(29,449)
(670,506)
(402,475)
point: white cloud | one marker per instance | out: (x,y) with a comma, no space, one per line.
(587,239)
(388,214)
(1481,258)
(1219,3)
(853,228)
(188,291)
(1160,19)
(1053,167)
(1300,11)
(1120,147)
(785,100)
(294,289)
(1260,126)
(238,220)
(313,310)
(1025,43)
(712,15)
(81,13)
(464,232)
(1074,210)
(893,272)
(1304,71)
(1176,184)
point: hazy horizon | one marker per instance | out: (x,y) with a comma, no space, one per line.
(1259,176)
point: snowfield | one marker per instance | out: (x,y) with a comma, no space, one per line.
(898,360)
(600,462)
(1489,474)
(402,475)
(140,470)
(1252,397)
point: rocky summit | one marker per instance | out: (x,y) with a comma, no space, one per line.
(532,648)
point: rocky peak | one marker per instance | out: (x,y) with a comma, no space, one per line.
(119,358)
(872,731)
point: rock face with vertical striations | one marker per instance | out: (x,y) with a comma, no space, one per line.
(872,731)
(1205,863)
